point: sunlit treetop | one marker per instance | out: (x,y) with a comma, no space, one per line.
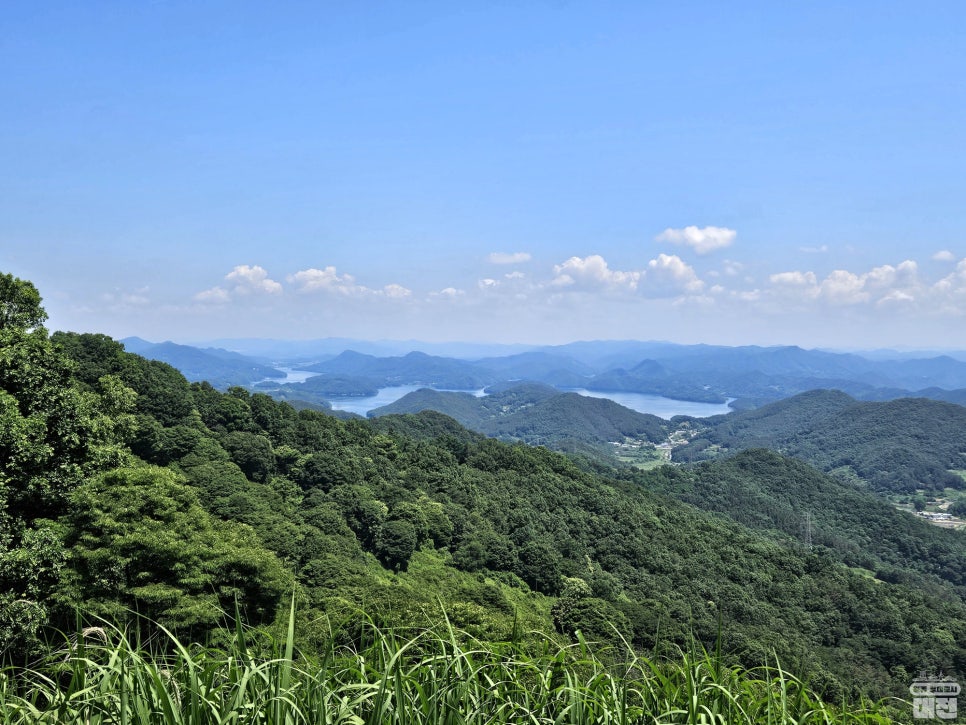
(19,304)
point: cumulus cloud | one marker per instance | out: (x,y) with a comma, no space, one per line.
(944,256)
(896,297)
(799,280)
(592,273)
(702,240)
(904,275)
(747,295)
(215,295)
(666,276)
(450,292)
(243,280)
(953,284)
(669,275)
(325,280)
(247,279)
(328,280)
(842,288)
(509,258)
(396,291)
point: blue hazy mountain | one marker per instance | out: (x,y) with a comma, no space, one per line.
(750,375)
(219,367)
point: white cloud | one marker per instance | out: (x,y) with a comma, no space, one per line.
(329,281)
(943,256)
(954,283)
(326,280)
(592,273)
(669,275)
(450,292)
(666,276)
(243,280)
(896,297)
(396,291)
(509,258)
(248,279)
(487,284)
(747,295)
(731,269)
(794,279)
(841,287)
(904,275)
(814,250)
(702,241)
(215,295)
(515,275)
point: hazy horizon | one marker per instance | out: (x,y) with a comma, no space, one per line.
(524,173)
(469,349)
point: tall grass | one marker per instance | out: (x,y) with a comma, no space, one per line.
(437,675)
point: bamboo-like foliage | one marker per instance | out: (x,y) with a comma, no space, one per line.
(437,676)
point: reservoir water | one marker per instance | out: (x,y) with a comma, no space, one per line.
(291,376)
(362,405)
(654,404)
(665,408)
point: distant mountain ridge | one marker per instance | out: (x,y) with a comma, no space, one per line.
(750,375)
(221,368)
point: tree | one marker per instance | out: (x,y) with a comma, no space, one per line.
(540,567)
(52,435)
(19,304)
(47,427)
(140,541)
(395,542)
(252,453)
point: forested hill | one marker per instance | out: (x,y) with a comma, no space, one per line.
(895,446)
(536,414)
(791,500)
(127,489)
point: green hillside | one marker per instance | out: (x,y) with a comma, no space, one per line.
(791,501)
(537,414)
(896,446)
(573,417)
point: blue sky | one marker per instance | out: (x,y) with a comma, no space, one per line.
(770,173)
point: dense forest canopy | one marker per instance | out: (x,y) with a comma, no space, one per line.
(126,489)
(894,446)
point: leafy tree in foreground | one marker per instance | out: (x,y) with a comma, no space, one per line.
(52,435)
(19,304)
(140,541)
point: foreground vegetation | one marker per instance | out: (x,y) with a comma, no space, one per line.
(436,675)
